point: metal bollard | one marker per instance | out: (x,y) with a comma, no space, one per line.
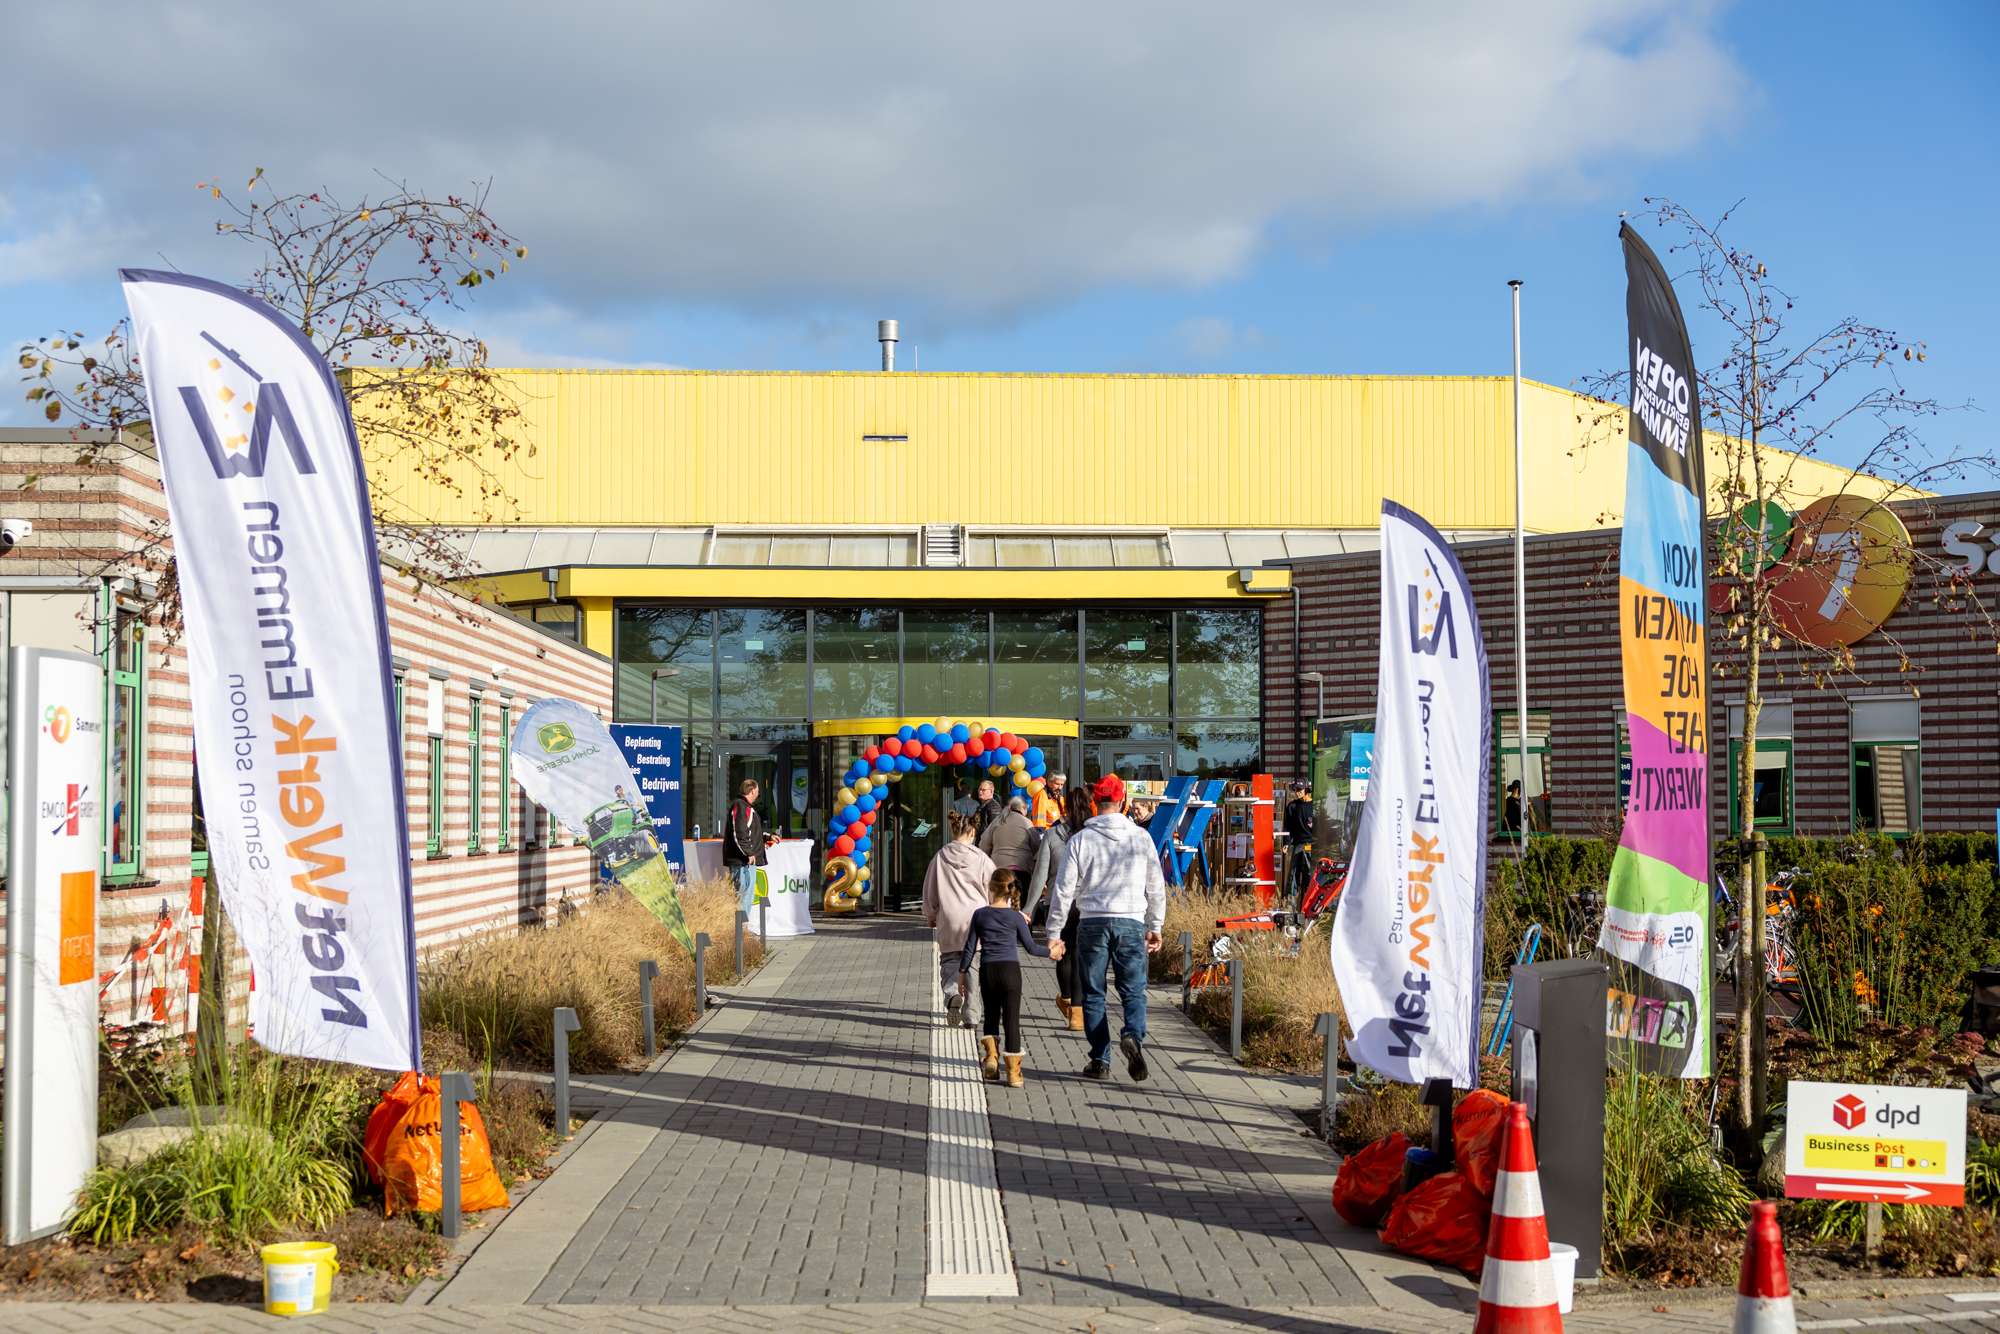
(700,973)
(741,918)
(1328,1027)
(566,1024)
(453,1089)
(763,923)
(648,970)
(1187,970)
(1236,1009)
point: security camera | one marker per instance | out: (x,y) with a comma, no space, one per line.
(11,532)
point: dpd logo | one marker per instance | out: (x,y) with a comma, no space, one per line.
(234,412)
(56,722)
(1848,1111)
(555,738)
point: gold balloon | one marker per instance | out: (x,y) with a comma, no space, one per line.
(1017,764)
(862,788)
(1021,778)
(844,797)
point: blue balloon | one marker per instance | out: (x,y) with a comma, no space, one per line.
(884,763)
(926,733)
(863,843)
(904,763)
(961,733)
(1033,755)
(866,801)
(835,828)
(905,732)
(859,857)
(855,773)
(1037,769)
(850,813)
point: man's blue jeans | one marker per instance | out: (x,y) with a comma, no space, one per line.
(746,888)
(1118,943)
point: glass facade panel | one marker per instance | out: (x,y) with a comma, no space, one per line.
(1217,662)
(945,659)
(678,637)
(1083,552)
(854,663)
(1218,750)
(1126,662)
(1518,797)
(762,652)
(1034,664)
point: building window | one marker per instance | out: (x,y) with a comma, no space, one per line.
(1216,662)
(945,660)
(125,751)
(506,804)
(1128,655)
(1886,756)
(475,771)
(854,662)
(1771,784)
(1523,796)
(682,638)
(558,618)
(434,775)
(1034,664)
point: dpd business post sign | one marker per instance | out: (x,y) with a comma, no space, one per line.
(1867,1142)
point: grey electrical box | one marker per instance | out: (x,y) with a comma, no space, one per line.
(1559,1068)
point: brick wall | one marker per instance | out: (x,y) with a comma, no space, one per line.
(108,517)
(1574,672)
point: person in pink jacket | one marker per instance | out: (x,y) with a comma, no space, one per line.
(954,889)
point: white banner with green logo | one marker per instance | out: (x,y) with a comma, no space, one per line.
(566,761)
(782,884)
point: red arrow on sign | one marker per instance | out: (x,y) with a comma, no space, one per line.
(1900,1192)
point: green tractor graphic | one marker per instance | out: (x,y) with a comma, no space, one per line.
(620,835)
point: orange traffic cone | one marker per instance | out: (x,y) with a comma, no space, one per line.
(1517,1289)
(1763,1290)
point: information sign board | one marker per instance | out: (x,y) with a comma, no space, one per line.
(1868,1142)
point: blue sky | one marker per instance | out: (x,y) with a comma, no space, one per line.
(1132,190)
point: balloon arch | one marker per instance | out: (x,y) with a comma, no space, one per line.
(988,752)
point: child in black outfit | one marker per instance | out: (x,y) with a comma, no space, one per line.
(1002,929)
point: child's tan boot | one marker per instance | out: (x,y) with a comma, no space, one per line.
(1014,1079)
(989,1057)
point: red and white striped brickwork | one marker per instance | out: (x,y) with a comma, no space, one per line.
(91,516)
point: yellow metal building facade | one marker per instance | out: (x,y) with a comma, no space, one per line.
(767,554)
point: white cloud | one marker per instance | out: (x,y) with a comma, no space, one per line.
(550,337)
(959,161)
(1213,338)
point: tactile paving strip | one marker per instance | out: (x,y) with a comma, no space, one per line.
(966,1228)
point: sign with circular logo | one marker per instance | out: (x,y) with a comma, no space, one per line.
(1845,574)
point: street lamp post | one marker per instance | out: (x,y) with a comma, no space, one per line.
(1319,680)
(653,693)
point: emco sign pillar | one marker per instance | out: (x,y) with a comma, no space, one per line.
(55,845)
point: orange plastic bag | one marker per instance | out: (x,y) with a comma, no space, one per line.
(1444,1219)
(1477,1124)
(404,1151)
(1368,1180)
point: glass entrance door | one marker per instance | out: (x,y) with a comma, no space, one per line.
(779,768)
(1148,761)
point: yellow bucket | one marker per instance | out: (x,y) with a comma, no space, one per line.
(298,1277)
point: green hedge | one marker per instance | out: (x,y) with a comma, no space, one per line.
(1885,930)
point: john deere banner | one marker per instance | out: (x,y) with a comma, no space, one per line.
(567,762)
(783,886)
(1656,925)
(288,664)
(1406,943)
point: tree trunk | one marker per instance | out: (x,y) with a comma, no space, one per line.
(1760,1061)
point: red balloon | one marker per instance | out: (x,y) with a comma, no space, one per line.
(893,746)
(1015,744)
(868,817)
(872,754)
(929,754)
(992,738)
(975,746)
(957,753)
(843,845)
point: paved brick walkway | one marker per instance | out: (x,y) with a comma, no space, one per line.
(772,1175)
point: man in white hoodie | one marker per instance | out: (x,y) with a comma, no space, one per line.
(1111,872)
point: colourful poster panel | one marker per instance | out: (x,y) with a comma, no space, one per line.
(1656,922)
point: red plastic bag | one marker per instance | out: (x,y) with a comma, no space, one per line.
(1444,1219)
(1477,1125)
(382,1122)
(403,1148)
(1368,1181)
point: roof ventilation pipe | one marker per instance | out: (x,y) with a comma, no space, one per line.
(885,331)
